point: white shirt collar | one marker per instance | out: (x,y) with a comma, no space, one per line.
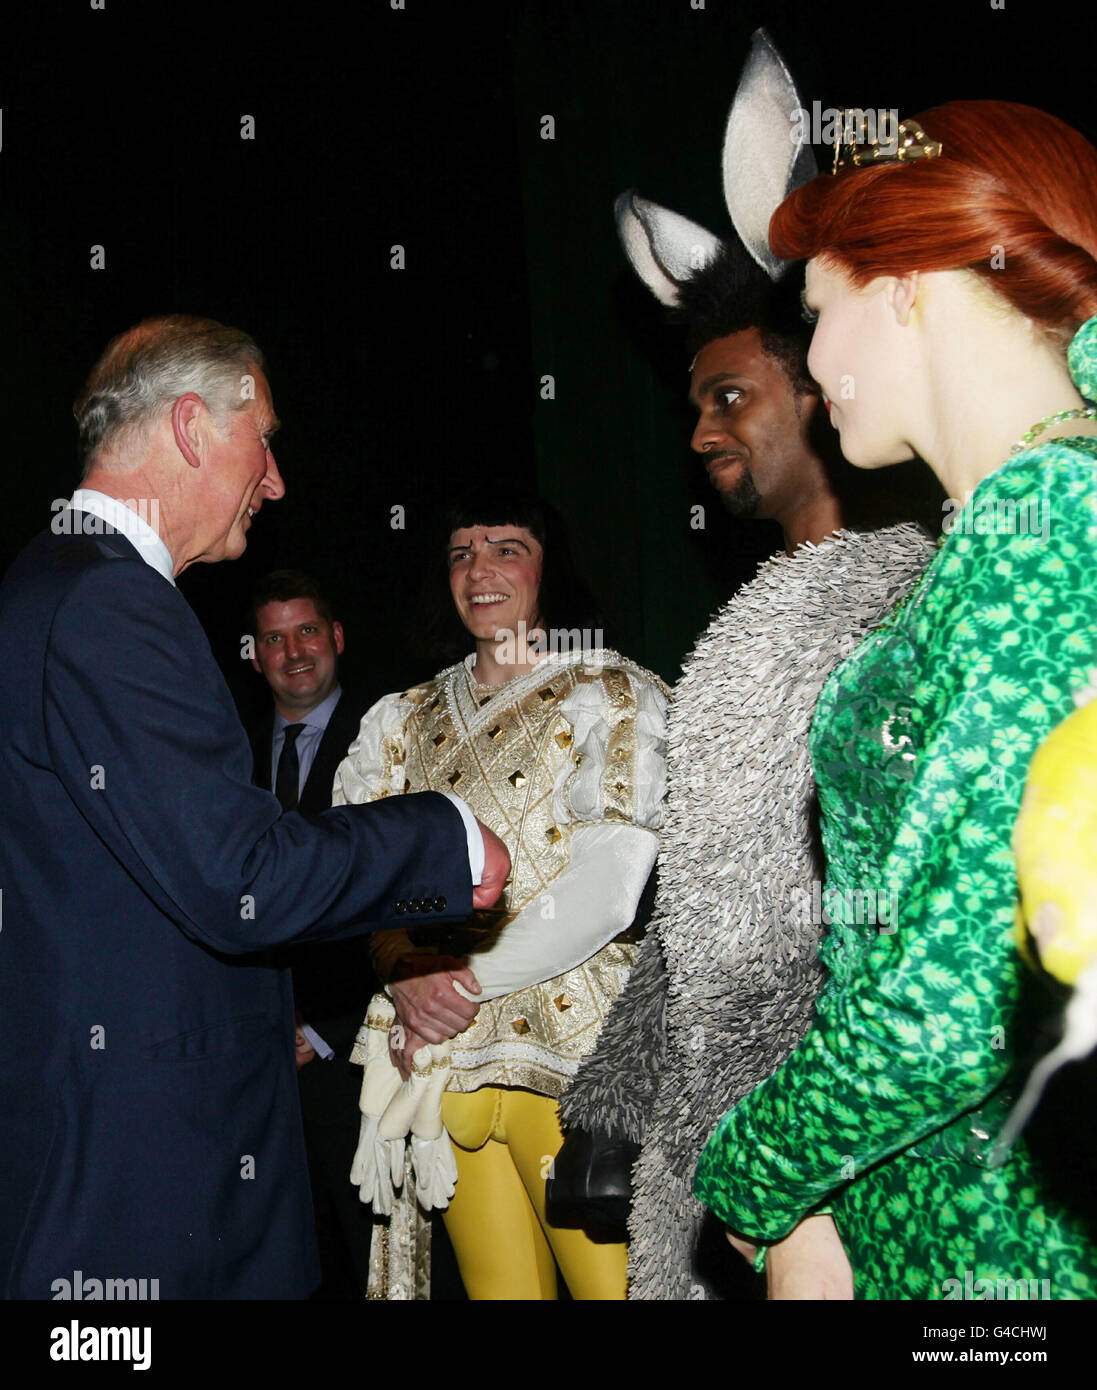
(130,522)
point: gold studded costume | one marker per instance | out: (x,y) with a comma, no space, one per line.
(565,764)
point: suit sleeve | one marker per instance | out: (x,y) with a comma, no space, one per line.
(914,1041)
(370,772)
(144,736)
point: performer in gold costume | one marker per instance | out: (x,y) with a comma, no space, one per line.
(558,746)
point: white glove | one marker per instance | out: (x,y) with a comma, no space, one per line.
(372,1170)
(391,1108)
(432,1159)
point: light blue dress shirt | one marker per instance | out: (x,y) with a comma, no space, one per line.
(308,741)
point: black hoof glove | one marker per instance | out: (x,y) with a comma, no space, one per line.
(591,1182)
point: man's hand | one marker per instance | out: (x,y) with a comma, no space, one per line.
(810,1263)
(404,1043)
(496,870)
(427,1004)
(303,1050)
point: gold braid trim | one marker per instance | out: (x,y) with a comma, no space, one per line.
(619,777)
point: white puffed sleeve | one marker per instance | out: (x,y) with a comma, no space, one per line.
(615,794)
(592,900)
(365,774)
(619,727)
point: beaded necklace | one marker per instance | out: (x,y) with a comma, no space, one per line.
(1078,413)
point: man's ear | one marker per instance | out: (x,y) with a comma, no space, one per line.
(337,633)
(902,294)
(187,421)
(255,664)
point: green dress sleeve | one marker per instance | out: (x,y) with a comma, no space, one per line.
(921,743)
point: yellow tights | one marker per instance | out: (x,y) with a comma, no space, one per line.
(505,1140)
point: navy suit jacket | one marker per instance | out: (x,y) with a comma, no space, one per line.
(150,1124)
(332,981)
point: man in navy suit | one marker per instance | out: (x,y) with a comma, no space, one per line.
(150,1111)
(297,747)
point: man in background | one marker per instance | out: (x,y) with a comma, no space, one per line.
(305,736)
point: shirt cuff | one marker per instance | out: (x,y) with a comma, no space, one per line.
(319,1046)
(475,838)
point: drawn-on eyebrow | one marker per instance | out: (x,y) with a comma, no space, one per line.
(505,540)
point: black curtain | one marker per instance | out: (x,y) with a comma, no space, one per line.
(422,128)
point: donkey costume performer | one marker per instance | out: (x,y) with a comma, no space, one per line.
(727,977)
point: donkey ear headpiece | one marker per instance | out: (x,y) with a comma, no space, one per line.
(763,161)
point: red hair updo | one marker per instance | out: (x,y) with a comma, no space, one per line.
(1013,188)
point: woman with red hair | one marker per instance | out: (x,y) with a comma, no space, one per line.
(955,284)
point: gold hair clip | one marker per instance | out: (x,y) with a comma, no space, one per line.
(909,142)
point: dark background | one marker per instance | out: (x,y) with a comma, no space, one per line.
(421,127)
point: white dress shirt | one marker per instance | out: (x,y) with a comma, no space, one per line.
(129,522)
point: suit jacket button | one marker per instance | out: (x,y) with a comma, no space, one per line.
(401,908)
(415,905)
(439,904)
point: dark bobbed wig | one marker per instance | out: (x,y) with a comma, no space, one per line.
(565,599)
(732,294)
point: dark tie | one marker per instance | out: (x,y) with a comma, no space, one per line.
(289,769)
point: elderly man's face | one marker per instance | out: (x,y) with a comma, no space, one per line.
(241,474)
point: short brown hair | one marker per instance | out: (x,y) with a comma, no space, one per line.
(283,586)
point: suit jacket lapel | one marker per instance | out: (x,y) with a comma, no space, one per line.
(338,736)
(261,753)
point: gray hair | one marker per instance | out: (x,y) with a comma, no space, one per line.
(150,366)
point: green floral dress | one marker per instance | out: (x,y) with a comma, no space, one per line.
(887,1112)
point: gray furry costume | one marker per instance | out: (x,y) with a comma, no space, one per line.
(726,981)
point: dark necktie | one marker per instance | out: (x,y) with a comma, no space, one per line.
(289,769)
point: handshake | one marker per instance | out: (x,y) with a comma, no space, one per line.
(433,998)
(433,994)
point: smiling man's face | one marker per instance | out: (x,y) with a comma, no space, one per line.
(495,578)
(239,473)
(751,425)
(298,651)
